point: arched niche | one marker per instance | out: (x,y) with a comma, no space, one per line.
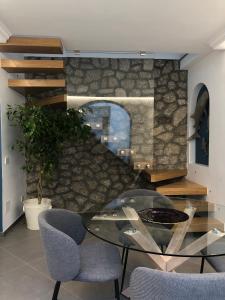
(200,124)
(111,123)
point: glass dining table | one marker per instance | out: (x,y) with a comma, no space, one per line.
(169,230)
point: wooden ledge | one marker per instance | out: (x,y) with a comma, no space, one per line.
(31,66)
(160,175)
(182,187)
(49,101)
(17,44)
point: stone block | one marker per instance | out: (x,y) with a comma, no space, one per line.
(167,136)
(142,84)
(179,115)
(171,149)
(108,73)
(92,75)
(145,75)
(135,93)
(120,75)
(119,92)
(148,64)
(124,65)
(113,82)
(127,84)
(169,97)
(170,109)
(82,89)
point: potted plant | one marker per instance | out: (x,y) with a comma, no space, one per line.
(44,131)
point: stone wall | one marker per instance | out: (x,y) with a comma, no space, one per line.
(160,79)
(89,174)
(170,115)
(110,77)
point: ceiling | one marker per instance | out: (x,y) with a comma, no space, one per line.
(174,26)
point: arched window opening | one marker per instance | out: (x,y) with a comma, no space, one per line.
(111,124)
(201,127)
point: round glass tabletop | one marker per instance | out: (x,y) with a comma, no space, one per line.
(180,227)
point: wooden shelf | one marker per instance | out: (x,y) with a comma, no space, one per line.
(30,86)
(17,44)
(200,205)
(182,187)
(32,66)
(50,100)
(202,224)
(160,175)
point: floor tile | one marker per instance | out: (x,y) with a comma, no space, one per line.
(91,291)
(28,249)
(40,265)
(9,262)
(17,234)
(24,284)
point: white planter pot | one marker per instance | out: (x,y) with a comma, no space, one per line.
(32,210)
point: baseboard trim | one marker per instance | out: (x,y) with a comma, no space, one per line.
(2,234)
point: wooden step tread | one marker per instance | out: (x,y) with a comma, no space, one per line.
(17,44)
(182,187)
(204,224)
(28,66)
(50,100)
(160,175)
(25,86)
(200,205)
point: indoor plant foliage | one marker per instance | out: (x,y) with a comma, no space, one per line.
(44,132)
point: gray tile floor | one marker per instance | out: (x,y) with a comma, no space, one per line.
(24,275)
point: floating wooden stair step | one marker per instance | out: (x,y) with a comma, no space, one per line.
(17,44)
(32,86)
(160,175)
(202,224)
(50,100)
(32,66)
(200,205)
(182,187)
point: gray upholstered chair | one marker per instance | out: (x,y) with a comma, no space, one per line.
(71,258)
(148,284)
(217,262)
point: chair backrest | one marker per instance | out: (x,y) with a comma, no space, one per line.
(61,233)
(148,284)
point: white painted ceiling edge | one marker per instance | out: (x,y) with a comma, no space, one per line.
(215,43)
(128,25)
(5,34)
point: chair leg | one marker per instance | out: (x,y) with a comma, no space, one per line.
(117,289)
(202,265)
(123,254)
(124,268)
(56,290)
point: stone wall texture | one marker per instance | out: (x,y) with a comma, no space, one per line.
(89,174)
(88,177)
(110,77)
(170,115)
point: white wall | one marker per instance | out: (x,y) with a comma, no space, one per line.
(210,71)
(14,184)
